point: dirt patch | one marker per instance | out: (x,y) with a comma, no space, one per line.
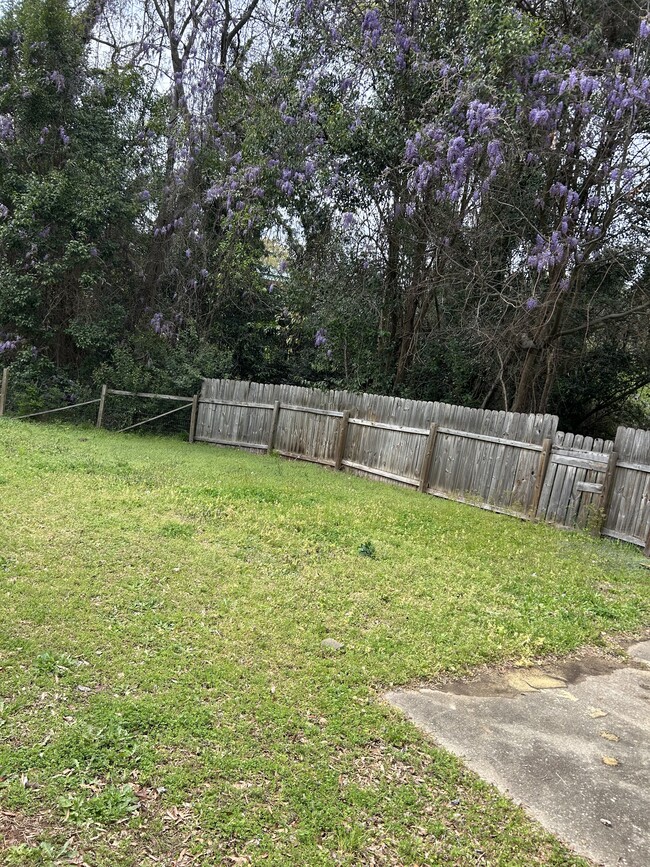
(548,673)
(169,846)
(19,829)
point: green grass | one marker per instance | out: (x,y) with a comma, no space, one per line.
(163,687)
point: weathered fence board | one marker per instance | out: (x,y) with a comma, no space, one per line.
(629,511)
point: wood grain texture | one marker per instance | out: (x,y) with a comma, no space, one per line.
(4,388)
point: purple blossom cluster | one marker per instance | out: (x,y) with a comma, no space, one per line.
(405,45)
(7,130)
(57,79)
(446,160)
(161,326)
(548,253)
(9,344)
(371,27)
(320,338)
(481,117)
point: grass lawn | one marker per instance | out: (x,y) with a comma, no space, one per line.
(164,697)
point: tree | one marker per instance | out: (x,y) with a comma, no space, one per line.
(68,188)
(483,157)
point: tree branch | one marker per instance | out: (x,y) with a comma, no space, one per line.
(586,326)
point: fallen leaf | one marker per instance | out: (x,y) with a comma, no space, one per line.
(610,737)
(610,761)
(597,713)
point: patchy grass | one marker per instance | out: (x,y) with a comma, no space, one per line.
(164,695)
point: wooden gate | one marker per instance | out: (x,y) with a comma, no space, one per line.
(578,481)
(629,512)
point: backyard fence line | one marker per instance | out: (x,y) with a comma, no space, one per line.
(514,463)
(189,402)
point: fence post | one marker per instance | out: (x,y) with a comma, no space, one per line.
(343,435)
(606,494)
(193,418)
(3,389)
(274,426)
(542,467)
(100,411)
(427,460)
(646,550)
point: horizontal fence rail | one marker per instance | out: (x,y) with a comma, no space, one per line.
(58,409)
(148,394)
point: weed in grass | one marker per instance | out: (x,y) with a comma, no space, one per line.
(50,663)
(367,549)
(105,808)
(43,854)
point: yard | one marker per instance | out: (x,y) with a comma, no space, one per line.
(164,695)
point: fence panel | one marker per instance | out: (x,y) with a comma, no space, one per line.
(489,457)
(483,456)
(573,488)
(629,512)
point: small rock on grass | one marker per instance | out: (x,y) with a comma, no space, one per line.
(331,644)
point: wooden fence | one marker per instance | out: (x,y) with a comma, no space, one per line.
(507,462)
(628,516)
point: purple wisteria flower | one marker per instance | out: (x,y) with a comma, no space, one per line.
(495,155)
(9,344)
(539,116)
(481,117)
(58,80)
(531,303)
(411,152)
(161,326)
(6,127)
(321,338)
(371,27)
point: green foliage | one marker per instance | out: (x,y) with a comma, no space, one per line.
(43,854)
(37,383)
(119,265)
(109,806)
(67,180)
